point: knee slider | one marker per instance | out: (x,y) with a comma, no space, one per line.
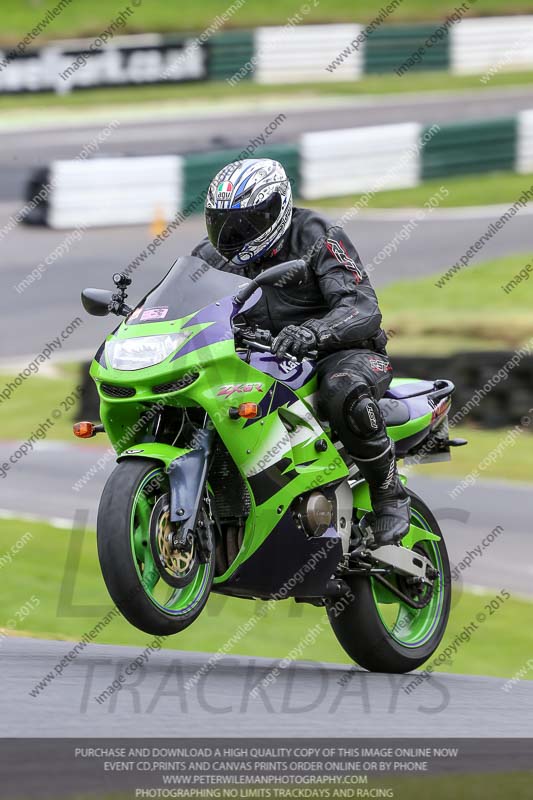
(363,414)
(333,391)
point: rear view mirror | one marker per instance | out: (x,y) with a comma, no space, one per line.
(97,301)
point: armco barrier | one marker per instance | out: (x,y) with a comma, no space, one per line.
(278,54)
(114,191)
(301,53)
(354,160)
(390,46)
(470,147)
(127,191)
(474,400)
(524,146)
(230,52)
(488,45)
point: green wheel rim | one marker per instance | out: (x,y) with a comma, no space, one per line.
(408,626)
(166,598)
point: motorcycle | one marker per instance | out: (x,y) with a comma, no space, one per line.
(228,481)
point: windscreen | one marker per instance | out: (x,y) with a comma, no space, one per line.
(188,286)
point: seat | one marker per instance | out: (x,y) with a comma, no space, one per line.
(406,399)
(401,388)
(395,412)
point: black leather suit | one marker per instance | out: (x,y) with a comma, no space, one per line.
(339,305)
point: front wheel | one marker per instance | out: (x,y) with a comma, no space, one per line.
(379,630)
(158,589)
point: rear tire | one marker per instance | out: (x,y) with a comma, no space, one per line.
(380,646)
(126,557)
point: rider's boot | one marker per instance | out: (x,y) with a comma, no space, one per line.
(390,517)
(363,432)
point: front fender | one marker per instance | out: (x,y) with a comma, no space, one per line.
(185,483)
(156,452)
(187,472)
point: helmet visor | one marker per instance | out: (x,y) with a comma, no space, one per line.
(231,229)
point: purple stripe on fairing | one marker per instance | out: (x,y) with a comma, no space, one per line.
(215,312)
(283,395)
(271,365)
(275,398)
(409,389)
(418,406)
(219,315)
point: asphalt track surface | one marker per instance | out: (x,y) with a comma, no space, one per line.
(306,699)
(21,151)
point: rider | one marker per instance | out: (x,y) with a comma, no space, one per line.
(252,225)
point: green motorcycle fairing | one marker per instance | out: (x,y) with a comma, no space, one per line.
(182,334)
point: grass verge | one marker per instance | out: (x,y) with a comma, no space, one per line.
(470,310)
(79,19)
(220,92)
(39,569)
(513,462)
(41,398)
(495,188)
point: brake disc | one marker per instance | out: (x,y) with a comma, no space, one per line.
(176,565)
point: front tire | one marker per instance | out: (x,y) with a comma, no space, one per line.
(382,633)
(134,580)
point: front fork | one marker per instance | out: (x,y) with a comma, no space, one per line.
(187,478)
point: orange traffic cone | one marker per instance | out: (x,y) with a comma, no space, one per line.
(159,222)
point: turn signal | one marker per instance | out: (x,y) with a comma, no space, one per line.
(85,430)
(248,410)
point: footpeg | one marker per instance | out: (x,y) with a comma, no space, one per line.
(359,541)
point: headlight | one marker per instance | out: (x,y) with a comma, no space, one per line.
(142,351)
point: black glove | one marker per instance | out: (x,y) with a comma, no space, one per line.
(294,340)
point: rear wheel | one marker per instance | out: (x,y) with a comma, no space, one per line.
(158,588)
(382,632)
